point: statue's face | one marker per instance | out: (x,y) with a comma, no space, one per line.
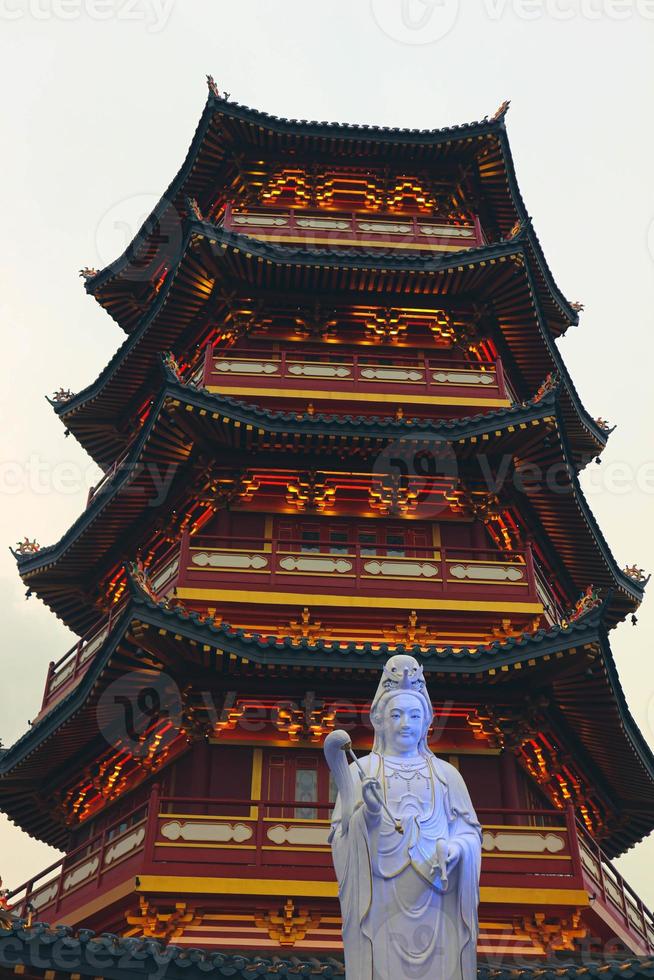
(403,723)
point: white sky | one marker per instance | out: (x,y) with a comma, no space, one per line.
(100,101)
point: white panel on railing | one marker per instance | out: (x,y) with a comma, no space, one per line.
(125,846)
(41,898)
(310,370)
(401,569)
(316,565)
(523,843)
(487,573)
(218,559)
(385,227)
(80,874)
(246,367)
(208,833)
(463,378)
(390,374)
(260,219)
(337,224)
(447,231)
(300,836)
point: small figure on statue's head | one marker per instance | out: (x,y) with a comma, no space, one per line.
(406,843)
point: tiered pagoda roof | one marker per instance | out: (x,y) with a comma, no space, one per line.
(588,698)
(41,949)
(185,417)
(212,263)
(227,130)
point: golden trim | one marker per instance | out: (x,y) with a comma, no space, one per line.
(361,243)
(522,856)
(318,848)
(529,829)
(292,888)
(201,817)
(295,598)
(211,847)
(535,896)
(294,820)
(257,779)
(363,396)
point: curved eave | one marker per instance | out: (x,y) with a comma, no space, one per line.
(256,422)
(184,415)
(40,946)
(497,176)
(251,263)
(622,754)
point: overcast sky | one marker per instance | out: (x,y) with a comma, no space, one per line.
(100,99)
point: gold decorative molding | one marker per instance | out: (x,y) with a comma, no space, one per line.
(290,926)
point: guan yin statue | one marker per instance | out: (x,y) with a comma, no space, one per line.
(406,844)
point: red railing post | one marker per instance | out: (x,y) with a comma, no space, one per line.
(48,681)
(479,232)
(573,843)
(151,825)
(531,571)
(444,570)
(184,556)
(499,376)
(207,367)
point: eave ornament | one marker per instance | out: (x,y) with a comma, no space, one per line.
(62,395)
(27,547)
(172,364)
(549,384)
(588,600)
(502,111)
(88,273)
(193,209)
(635,573)
(290,926)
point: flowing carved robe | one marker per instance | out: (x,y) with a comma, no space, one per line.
(399,921)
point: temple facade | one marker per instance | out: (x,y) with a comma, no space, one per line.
(339,428)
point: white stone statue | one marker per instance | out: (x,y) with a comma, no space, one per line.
(406,844)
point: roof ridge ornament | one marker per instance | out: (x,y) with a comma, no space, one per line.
(588,600)
(551,383)
(636,573)
(27,547)
(577,306)
(502,111)
(213,89)
(193,209)
(88,273)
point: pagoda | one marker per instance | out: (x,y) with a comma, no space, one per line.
(339,428)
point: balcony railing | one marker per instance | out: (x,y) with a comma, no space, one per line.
(529,849)
(362,375)
(356,569)
(342,228)
(65,673)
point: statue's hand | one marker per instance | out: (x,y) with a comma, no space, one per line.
(372,794)
(453,854)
